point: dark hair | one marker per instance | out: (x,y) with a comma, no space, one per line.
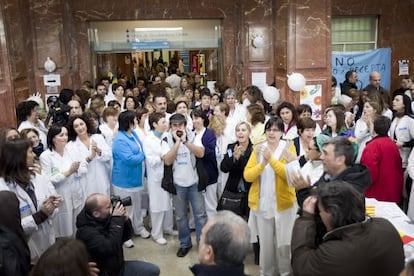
(3,133)
(139,112)
(126,118)
(67,257)
(113,103)
(289,106)
(340,118)
(115,87)
(342,146)
(26,131)
(66,95)
(71,131)
(275,121)
(13,164)
(254,92)
(303,108)
(305,123)
(177,117)
(342,201)
(256,113)
(205,92)
(334,82)
(24,109)
(154,118)
(349,74)
(382,125)
(406,102)
(136,102)
(181,101)
(198,113)
(54,130)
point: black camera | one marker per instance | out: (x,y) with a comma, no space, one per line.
(126,201)
(58,111)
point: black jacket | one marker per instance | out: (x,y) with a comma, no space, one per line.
(346,86)
(235,167)
(357,175)
(217,270)
(104,238)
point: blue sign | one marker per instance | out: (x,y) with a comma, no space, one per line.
(148,45)
(363,63)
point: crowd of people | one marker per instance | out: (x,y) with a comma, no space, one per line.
(92,167)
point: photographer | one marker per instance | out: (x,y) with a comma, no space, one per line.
(58,112)
(103,228)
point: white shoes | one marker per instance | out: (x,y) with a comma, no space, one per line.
(144,234)
(129,244)
(161,241)
(171,232)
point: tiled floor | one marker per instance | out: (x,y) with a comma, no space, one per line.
(170,265)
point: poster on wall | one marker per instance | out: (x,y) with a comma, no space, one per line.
(312,95)
(363,63)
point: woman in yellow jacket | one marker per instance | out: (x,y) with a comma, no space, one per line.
(271,200)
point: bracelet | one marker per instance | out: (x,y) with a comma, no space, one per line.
(185,142)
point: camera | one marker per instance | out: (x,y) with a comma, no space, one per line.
(58,111)
(179,133)
(126,201)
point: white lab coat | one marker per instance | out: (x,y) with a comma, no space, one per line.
(154,149)
(40,127)
(42,236)
(97,179)
(403,132)
(363,135)
(54,165)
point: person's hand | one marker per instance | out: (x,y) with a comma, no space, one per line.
(237,151)
(399,143)
(184,136)
(266,154)
(36,168)
(309,204)
(119,210)
(51,204)
(93,269)
(350,120)
(298,181)
(74,167)
(94,149)
(288,156)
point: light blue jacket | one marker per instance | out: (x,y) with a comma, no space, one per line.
(128,155)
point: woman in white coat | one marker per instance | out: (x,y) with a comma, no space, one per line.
(157,152)
(64,173)
(37,197)
(92,149)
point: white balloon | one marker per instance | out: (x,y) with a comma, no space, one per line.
(271,94)
(296,81)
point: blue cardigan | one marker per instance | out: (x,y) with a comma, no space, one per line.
(128,158)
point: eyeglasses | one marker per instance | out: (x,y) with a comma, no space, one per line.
(273,129)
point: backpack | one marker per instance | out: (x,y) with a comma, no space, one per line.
(14,254)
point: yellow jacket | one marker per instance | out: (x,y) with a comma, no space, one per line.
(285,195)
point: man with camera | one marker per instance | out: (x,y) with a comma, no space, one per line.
(103,226)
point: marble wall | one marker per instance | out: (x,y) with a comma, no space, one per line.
(295,35)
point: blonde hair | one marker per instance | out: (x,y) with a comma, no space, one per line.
(217,123)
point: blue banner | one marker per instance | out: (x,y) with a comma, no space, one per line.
(363,63)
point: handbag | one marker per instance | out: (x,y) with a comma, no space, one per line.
(167,182)
(234,202)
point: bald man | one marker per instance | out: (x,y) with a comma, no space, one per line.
(375,85)
(224,243)
(103,228)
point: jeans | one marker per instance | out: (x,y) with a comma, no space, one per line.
(140,268)
(180,201)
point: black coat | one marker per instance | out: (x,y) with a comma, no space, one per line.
(235,167)
(217,270)
(104,238)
